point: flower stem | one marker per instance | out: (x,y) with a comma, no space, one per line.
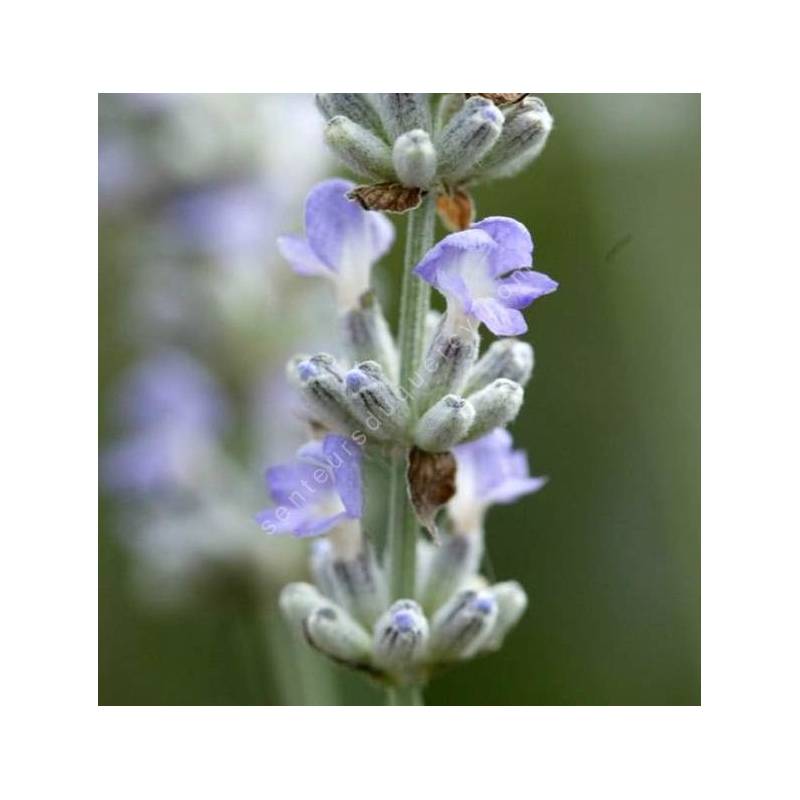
(414,300)
(415,295)
(405,696)
(402,523)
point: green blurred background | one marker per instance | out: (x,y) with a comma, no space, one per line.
(609,551)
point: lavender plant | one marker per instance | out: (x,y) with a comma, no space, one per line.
(397,591)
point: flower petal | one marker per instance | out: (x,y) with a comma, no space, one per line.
(316,526)
(338,228)
(275,524)
(381,233)
(284,480)
(514,243)
(522,287)
(447,254)
(299,254)
(512,489)
(345,458)
(499,319)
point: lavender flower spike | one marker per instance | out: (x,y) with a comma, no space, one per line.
(484,272)
(489,472)
(316,492)
(342,240)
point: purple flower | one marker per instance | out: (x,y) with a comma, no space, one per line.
(318,490)
(342,240)
(484,272)
(489,472)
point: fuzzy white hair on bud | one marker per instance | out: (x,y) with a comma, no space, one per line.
(360,149)
(496,406)
(414,158)
(506,358)
(469,135)
(401,638)
(444,425)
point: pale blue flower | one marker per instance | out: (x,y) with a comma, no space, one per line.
(342,240)
(490,472)
(318,490)
(484,272)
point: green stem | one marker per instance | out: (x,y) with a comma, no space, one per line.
(405,696)
(402,523)
(414,300)
(415,295)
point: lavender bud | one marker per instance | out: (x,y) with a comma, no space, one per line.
(449,359)
(362,151)
(495,406)
(468,136)
(332,631)
(320,565)
(414,159)
(451,567)
(297,601)
(322,387)
(401,638)
(462,625)
(355,583)
(401,113)
(511,604)
(433,319)
(448,105)
(375,403)
(525,132)
(505,358)
(444,425)
(356,107)
(367,335)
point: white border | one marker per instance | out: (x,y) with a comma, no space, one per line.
(740,740)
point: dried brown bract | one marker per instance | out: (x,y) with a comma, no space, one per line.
(431,484)
(501,99)
(392,197)
(456,209)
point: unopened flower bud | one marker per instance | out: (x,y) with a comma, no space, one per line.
(375,403)
(450,568)
(505,358)
(354,581)
(525,132)
(495,406)
(362,151)
(414,158)
(320,564)
(468,136)
(322,387)
(367,335)
(444,424)
(462,625)
(401,113)
(297,601)
(450,357)
(448,105)
(401,638)
(332,631)
(511,604)
(433,319)
(356,107)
